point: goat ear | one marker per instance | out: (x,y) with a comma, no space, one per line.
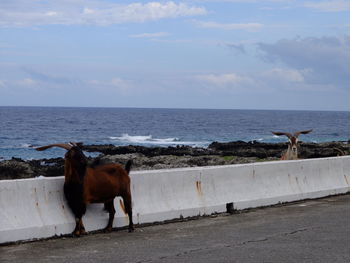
(302,132)
(282,133)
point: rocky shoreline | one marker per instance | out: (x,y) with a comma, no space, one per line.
(147,158)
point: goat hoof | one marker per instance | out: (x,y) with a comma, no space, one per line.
(107,230)
(83,232)
(131,229)
(76,234)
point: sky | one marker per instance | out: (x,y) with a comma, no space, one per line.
(219,54)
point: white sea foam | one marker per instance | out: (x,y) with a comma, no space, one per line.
(136,139)
(268,138)
(26,145)
(18,146)
(149,140)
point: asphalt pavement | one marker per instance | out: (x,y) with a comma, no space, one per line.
(309,231)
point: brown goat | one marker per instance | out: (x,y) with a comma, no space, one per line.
(99,184)
(292,151)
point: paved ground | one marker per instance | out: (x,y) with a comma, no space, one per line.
(312,231)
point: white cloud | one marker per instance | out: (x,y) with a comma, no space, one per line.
(232,26)
(44,77)
(121,84)
(150,35)
(51,13)
(286,75)
(2,84)
(21,84)
(274,80)
(27,82)
(228,81)
(247,1)
(326,58)
(115,84)
(289,79)
(330,6)
(90,12)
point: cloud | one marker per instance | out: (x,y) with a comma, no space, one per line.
(232,26)
(285,75)
(278,87)
(329,6)
(121,84)
(150,35)
(227,81)
(24,78)
(273,81)
(288,79)
(27,82)
(242,46)
(237,47)
(47,78)
(326,58)
(2,84)
(247,1)
(20,13)
(21,84)
(115,84)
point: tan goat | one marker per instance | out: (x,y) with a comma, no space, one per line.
(292,151)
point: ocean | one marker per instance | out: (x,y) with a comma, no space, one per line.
(21,128)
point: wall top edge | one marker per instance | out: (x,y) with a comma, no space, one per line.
(194,169)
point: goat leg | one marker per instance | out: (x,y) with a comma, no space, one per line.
(128,210)
(76,231)
(109,206)
(79,228)
(82,228)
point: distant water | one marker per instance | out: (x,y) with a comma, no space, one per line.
(23,127)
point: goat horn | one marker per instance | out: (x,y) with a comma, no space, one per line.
(61,145)
(283,133)
(296,134)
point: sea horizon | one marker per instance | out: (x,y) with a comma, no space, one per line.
(171,108)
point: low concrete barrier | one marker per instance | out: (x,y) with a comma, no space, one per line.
(36,208)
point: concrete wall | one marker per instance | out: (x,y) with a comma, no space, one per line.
(36,208)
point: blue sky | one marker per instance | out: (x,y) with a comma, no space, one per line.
(235,54)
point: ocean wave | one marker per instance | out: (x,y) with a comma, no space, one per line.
(137,139)
(26,145)
(149,140)
(268,138)
(17,146)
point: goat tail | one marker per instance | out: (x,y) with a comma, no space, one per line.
(128,166)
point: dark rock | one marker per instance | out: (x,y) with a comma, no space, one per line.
(148,151)
(145,158)
(15,169)
(264,150)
